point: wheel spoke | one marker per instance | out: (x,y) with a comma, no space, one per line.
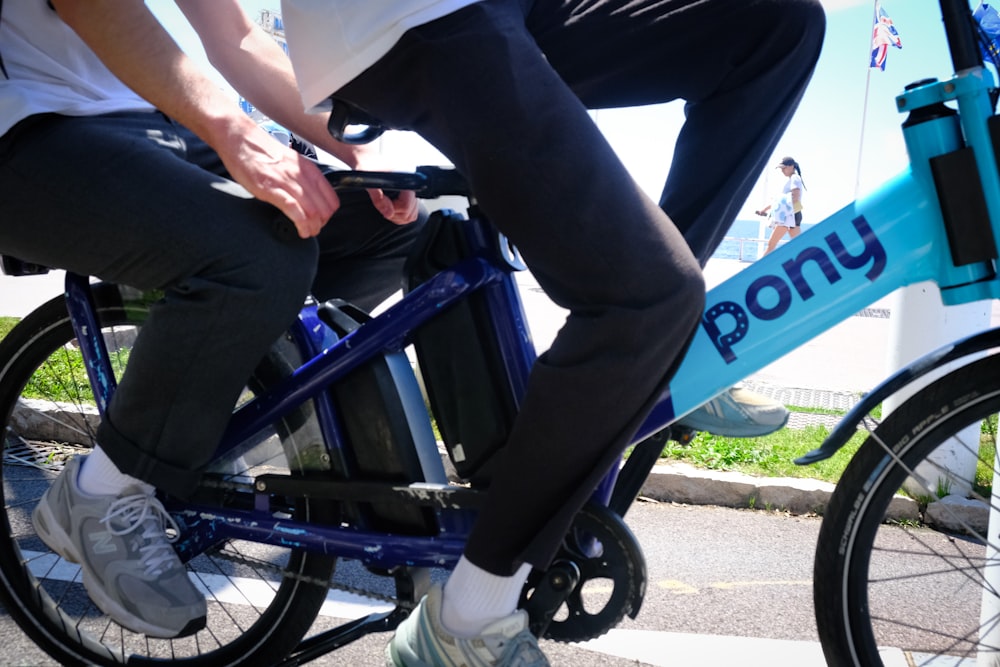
(51,417)
(929,585)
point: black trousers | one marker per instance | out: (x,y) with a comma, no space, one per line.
(501,88)
(136,199)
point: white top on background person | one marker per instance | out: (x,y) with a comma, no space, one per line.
(782,211)
(794,182)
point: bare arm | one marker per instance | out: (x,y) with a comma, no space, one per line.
(133,45)
(258,68)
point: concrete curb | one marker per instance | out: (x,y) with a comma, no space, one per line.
(684,483)
(680,482)
(46,421)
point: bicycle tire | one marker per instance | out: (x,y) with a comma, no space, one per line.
(44,595)
(888,586)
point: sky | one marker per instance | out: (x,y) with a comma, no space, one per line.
(845,101)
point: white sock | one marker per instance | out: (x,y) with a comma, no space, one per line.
(99,476)
(473,598)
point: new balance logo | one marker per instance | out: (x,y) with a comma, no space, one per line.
(103,543)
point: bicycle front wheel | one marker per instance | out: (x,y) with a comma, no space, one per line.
(922,590)
(261,600)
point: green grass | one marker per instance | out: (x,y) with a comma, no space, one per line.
(6,324)
(770,456)
(773,455)
(983,484)
(64,377)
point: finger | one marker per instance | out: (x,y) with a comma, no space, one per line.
(318,201)
(307,219)
(399,210)
(407,208)
(321,187)
(382,203)
(293,214)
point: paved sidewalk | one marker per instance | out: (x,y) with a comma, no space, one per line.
(859,346)
(828,399)
(20,295)
(831,371)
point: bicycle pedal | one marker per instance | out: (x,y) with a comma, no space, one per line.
(549,594)
(682,435)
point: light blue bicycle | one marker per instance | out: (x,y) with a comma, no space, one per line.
(330,458)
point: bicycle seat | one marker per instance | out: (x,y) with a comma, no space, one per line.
(344,114)
(12,266)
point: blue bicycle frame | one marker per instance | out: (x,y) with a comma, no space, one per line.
(489,271)
(895,237)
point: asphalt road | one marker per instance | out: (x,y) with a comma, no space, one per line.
(723,585)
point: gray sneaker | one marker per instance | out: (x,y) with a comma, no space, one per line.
(421,641)
(130,569)
(737,413)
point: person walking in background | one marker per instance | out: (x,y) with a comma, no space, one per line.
(501,88)
(786,212)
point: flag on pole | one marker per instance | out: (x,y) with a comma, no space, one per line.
(884,35)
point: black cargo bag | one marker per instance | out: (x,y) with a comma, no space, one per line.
(459,356)
(385,422)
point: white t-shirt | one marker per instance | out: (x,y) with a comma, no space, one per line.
(51,69)
(794,183)
(782,212)
(332,41)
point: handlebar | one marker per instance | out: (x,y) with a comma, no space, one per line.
(427,182)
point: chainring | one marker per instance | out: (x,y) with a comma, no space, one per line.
(605,552)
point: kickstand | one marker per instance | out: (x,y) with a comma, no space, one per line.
(411,585)
(636,469)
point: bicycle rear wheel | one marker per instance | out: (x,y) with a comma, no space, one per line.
(261,600)
(922,590)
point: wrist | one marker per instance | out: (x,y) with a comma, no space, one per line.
(223,130)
